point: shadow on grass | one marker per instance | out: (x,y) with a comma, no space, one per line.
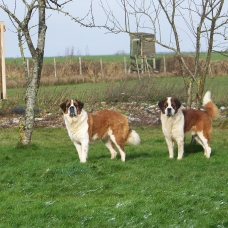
(192,148)
(195,148)
(128,156)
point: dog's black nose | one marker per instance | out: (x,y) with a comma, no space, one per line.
(169,110)
(72,111)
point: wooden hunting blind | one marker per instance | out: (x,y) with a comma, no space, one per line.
(142,46)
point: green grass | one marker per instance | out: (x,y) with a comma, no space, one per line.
(115,58)
(46,185)
(105,58)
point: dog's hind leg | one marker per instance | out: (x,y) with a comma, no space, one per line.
(205,143)
(110,145)
(120,146)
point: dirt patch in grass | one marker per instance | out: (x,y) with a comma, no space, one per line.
(138,115)
(143,114)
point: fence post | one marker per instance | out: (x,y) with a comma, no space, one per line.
(142,65)
(154,63)
(101,68)
(125,65)
(80,66)
(164,64)
(3,64)
(55,67)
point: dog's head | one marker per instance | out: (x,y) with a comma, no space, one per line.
(72,107)
(169,106)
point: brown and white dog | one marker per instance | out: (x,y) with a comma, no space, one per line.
(176,122)
(108,125)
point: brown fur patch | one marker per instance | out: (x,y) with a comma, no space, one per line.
(162,105)
(102,121)
(175,103)
(201,121)
(198,121)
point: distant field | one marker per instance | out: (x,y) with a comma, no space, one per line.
(108,58)
(116,58)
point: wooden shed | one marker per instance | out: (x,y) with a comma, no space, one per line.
(142,46)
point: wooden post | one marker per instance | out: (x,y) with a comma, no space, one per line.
(164,64)
(125,65)
(137,66)
(2,65)
(210,71)
(80,66)
(154,63)
(142,66)
(101,68)
(147,66)
(55,67)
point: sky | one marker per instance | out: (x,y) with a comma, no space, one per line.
(64,35)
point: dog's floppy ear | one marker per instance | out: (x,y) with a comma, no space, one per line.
(161,104)
(63,106)
(80,104)
(177,102)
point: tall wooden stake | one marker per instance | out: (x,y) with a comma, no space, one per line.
(2,65)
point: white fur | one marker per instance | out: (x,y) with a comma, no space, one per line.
(173,129)
(134,138)
(169,106)
(207,97)
(204,143)
(77,128)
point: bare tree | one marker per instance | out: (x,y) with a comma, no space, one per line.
(172,21)
(25,32)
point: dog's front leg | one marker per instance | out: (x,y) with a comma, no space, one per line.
(180,144)
(170,147)
(84,150)
(79,150)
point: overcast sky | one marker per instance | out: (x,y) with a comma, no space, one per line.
(64,34)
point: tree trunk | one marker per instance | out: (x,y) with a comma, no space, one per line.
(31,94)
(33,82)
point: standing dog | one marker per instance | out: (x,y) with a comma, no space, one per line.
(108,125)
(176,122)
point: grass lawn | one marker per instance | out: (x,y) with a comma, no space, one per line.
(46,185)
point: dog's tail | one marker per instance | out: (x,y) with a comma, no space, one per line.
(210,107)
(133,137)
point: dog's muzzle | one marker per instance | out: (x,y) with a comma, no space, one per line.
(169,112)
(72,111)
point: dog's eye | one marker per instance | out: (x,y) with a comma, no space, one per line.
(173,106)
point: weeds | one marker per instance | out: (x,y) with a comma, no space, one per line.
(68,70)
(149,90)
